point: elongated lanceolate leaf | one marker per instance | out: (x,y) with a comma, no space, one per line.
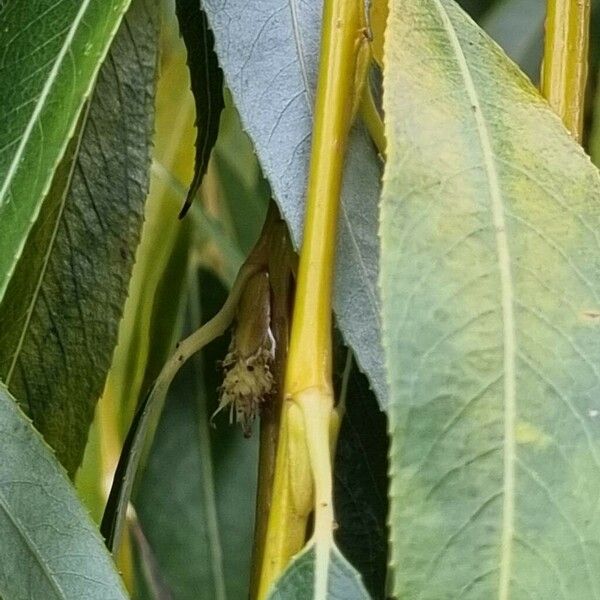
(490,283)
(59,319)
(51,52)
(269,52)
(49,547)
(207,86)
(171,504)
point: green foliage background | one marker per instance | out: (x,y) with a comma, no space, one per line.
(99,279)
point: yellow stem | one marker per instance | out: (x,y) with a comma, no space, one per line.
(303,461)
(282,261)
(564,72)
(309,361)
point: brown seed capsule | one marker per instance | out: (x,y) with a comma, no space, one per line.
(248,380)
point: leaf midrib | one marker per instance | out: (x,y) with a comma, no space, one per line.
(41,102)
(50,247)
(507,304)
(32,547)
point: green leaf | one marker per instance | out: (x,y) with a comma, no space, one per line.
(174,503)
(156,338)
(60,316)
(149,582)
(269,53)
(235,461)
(491,308)
(298,580)
(51,54)
(175,506)
(49,547)
(207,86)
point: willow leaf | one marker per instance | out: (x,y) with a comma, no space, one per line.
(196,501)
(50,548)
(59,320)
(490,283)
(207,86)
(51,53)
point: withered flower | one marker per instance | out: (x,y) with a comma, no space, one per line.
(248,381)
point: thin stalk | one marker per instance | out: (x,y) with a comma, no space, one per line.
(309,361)
(303,466)
(113,520)
(341,405)
(372,120)
(208,478)
(281,267)
(565,66)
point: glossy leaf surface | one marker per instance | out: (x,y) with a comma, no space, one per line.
(60,317)
(51,53)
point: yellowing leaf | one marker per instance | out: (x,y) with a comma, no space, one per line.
(490,231)
(378,19)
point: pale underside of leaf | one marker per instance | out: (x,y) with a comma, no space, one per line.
(490,249)
(269,53)
(50,548)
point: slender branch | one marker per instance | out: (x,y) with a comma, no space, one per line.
(281,267)
(341,404)
(309,363)
(208,478)
(303,475)
(114,515)
(564,71)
